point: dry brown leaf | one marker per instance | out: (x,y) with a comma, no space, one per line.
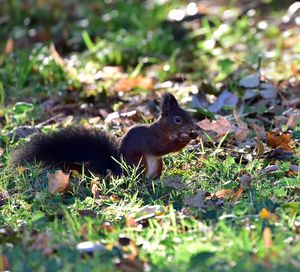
(292,121)
(1,151)
(107,226)
(9,47)
(241,132)
(260,132)
(224,193)
(127,84)
(174,182)
(60,61)
(220,126)
(4,263)
(196,201)
(260,148)
(130,222)
(56,56)
(58,182)
(278,139)
(238,194)
(95,191)
(114,198)
(267,237)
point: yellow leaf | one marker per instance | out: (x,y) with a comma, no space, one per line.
(58,182)
(264,213)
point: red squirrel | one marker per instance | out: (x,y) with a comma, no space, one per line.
(142,145)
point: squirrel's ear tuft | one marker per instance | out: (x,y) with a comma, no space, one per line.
(169,102)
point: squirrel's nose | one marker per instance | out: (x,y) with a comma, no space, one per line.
(193,134)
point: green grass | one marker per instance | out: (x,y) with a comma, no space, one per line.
(227,238)
(40,231)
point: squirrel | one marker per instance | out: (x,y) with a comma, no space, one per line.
(142,145)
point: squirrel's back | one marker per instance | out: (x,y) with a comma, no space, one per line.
(72,145)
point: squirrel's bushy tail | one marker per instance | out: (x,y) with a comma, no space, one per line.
(72,145)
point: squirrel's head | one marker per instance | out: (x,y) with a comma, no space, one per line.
(177,121)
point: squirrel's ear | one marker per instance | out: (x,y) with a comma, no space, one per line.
(169,102)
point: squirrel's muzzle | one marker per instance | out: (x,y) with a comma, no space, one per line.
(193,134)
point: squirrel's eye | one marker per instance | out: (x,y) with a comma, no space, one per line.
(177,120)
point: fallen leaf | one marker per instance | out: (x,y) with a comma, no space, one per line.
(265,214)
(241,132)
(293,120)
(95,191)
(220,126)
(1,151)
(278,139)
(267,237)
(199,100)
(224,193)
(250,93)
(196,201)
(251,81)
(114,198)
(267,91)
(131,222)
(226,98)
(128,84)
(107,226)
(238,194)
(155,209)
(56,56)
(259,131)
(9,47)
(174,182)
(58,182)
